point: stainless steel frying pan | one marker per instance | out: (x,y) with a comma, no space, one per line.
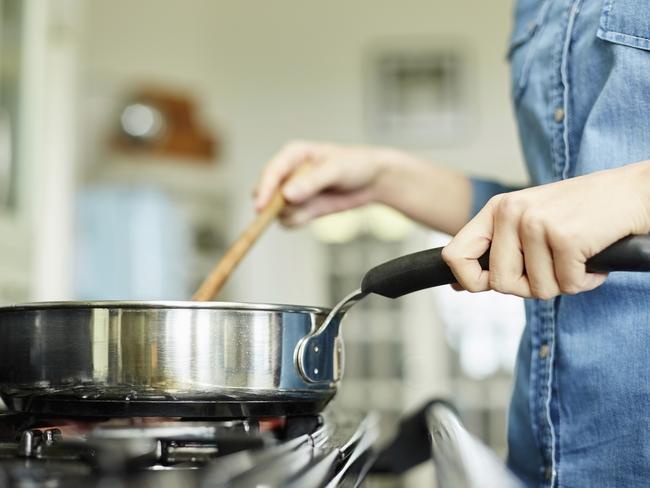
(203,359)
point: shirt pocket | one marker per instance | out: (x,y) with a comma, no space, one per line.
(530,16)
(626,22)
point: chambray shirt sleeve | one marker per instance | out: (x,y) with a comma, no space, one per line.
(483,190)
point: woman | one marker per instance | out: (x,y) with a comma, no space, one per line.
(580,411)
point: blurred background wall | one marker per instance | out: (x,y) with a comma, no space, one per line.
(266,73)
(98,213)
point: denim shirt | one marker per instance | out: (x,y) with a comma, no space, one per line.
(580,411)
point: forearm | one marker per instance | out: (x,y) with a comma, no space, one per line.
(437,197)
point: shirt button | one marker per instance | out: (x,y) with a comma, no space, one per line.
(559,114)
(543,351)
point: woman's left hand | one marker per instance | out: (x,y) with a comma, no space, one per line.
(540,238)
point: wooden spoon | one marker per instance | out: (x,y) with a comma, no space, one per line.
(224,268)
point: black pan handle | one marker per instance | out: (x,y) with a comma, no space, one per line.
(426,269)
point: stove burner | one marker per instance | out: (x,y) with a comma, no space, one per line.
(41,452)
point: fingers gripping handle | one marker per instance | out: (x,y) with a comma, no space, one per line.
(427,269)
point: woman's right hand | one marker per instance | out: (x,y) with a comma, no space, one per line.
(338,178)
(343,177)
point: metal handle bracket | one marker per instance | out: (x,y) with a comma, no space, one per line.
(316,360)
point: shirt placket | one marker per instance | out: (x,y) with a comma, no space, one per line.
(547,411)
(543,356)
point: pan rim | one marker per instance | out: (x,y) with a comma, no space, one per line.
(165,305)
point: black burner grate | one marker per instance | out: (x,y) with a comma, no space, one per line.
(39,452)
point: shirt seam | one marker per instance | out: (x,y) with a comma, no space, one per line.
(607,9)
(623,38)
(575,9)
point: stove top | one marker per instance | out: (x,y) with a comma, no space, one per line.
(303,451)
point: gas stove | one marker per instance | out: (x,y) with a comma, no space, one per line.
(334,449)
(305,451)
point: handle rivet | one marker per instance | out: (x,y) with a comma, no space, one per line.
(316,349)
(315,370)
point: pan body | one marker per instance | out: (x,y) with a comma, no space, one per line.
(186,359)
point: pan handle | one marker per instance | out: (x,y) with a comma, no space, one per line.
(426,269)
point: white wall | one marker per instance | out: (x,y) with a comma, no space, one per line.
(35,248)
(271,71)
(53,151)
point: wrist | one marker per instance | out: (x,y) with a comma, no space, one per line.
(392,178)
(640,178)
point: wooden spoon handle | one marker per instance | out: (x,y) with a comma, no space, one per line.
(218,276)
